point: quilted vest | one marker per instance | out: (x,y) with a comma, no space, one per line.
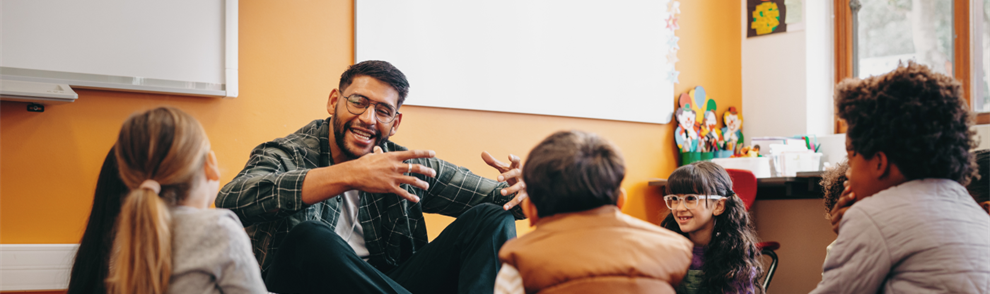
(600,250)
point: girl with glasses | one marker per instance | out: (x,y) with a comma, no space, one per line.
(704,208)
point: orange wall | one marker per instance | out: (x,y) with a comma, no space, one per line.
(291,56)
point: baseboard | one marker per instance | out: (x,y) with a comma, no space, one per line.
(35,266)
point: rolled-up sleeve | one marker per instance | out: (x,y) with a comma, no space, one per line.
(268,188)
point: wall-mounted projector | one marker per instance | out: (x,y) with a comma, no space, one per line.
(35,92)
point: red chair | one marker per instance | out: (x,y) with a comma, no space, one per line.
(744,184)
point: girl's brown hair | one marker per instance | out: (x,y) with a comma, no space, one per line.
(732,261)
(168,146)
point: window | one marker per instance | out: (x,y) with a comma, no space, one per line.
(931,32)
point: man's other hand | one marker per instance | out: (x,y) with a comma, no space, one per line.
(510,173)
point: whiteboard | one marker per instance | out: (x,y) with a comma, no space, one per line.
(591,59)
(176,46)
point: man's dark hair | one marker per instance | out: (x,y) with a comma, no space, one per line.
(573,171)
(917,117)
(380,70)
(980,188)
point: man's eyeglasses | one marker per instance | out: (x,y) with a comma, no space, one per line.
(357,104)
(690,200)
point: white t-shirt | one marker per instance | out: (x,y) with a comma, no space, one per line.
(348,226)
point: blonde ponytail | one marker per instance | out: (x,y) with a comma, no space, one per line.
(142,259)
(159,153)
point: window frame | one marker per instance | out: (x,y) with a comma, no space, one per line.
(962,47)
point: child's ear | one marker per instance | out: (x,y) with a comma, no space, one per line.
(211,167)
(530,211)
(622,198)
(985,205)
(719,206)
(881,165)
(886,171)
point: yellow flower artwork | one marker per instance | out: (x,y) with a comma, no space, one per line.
(766,18)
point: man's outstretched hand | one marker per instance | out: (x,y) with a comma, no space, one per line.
(381,172)
(511,174)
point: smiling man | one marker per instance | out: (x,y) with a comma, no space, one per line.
(336,206)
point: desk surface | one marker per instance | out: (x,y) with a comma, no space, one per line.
(805,185)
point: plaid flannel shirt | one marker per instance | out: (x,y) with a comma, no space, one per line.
(267,197)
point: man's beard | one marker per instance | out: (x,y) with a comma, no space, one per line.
(340,127)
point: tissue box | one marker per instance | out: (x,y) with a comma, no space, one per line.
(790,163)
(760,166)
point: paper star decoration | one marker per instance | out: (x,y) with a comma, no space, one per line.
(672,43)
(675,7)
(672,76)
(672,58)
(672,23)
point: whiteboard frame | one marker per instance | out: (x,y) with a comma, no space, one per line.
(227,89)
(378,20)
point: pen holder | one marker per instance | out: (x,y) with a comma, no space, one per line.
(690,157)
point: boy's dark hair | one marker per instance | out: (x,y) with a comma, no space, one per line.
(980,188)
(833,183)
(573,171)
(917,117)
(380,70)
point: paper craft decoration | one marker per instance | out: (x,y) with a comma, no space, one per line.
(765,17)
(710,132)
(732,130)
(697,124)
(686,134)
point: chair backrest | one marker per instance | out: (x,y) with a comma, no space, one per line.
(744,184)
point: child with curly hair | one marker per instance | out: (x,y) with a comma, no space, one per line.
(913,227)
(704,208)
(833,183)
(980,189)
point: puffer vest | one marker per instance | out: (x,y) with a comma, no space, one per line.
(600,250)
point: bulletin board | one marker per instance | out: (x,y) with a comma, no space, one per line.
(590,59)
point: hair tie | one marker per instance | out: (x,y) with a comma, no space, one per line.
(152,185)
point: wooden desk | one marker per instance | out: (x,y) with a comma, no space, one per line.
(805,185)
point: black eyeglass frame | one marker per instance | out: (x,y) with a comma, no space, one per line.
(356,100)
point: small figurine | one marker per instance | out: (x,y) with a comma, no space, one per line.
(749,151)
(711,132)
(732,131)
(686,134)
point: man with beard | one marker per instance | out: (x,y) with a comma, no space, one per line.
(336,206)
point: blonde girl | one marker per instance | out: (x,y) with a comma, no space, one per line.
(168,240)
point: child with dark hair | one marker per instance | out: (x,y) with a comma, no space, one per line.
(980,189)
(914,227)
(833,184)
(92,261)
(704,208)
(583,242)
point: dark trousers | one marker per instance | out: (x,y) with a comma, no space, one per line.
(463,259)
